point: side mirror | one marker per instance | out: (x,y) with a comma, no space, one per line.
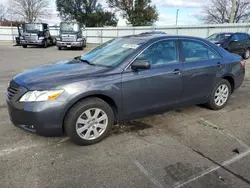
(140,64)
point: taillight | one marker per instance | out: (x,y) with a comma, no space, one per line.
(242,63)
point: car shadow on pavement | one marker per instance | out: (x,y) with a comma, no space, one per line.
(130,126)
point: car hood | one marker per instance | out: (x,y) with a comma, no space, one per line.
(62,72)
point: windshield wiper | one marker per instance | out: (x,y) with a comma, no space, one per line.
(84,60)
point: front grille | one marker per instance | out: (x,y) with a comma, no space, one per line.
(69,39)
(11,93)
(12,90)
(31,38)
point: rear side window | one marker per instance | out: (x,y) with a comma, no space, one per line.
(244,36)
(197,51)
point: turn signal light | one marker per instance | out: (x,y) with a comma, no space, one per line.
(242,63)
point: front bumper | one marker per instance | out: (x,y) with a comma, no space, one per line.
(43,118)
(34,42)
(69,44)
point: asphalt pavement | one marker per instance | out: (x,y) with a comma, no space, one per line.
(191,147)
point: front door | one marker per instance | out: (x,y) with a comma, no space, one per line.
(160,87)
(200,67)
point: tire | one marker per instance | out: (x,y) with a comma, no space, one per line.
(25,46)
(212,100)
(59,48)
(45,45)
(81,48)
(84,44)
(78,113)
(246,53)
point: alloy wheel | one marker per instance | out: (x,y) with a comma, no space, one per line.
(221,95)
(91,124)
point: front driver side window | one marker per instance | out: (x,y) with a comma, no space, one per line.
(235,37)
(163,52)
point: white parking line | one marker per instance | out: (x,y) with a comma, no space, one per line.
(224,164)
(64,140)
(225,134)
(16,149)
(3,122)
(145,172)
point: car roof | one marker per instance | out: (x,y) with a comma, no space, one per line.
(149,36)
(231,33)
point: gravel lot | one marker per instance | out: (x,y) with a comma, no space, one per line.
(191,147)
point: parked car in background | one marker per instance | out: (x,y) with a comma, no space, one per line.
(238,43)
(20,33)
(122,79)
(35,34)
(70,36)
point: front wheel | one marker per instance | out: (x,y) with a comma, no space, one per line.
(89,121)
(246,54)
(24,46)
(45,45)
(59,48)
(220,95)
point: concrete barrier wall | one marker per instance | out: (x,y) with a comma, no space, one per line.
(103,34)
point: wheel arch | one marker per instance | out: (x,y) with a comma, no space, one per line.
(109,100)
(231,80)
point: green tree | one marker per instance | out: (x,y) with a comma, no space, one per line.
(87,12)
(136,12)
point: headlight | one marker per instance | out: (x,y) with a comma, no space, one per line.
(32,96)
(41,38)
(58,39)
(218,44)
(79,39)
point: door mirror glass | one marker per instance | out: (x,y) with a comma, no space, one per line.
(140,64)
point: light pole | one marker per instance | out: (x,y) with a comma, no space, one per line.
(177,13)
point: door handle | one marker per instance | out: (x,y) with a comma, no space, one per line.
(177,72)
(219,65)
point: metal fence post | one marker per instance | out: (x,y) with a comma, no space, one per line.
(117,32)
(208,31)
(101,37)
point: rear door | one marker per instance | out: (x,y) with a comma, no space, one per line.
(155,89)
(200,67)
(237,44)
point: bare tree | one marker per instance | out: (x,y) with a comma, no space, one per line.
(3,12)
(225,11)
(30,10)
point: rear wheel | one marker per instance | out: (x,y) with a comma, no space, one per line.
(220,95)
(59,48)
(24,46)
(89,121)
(246,54)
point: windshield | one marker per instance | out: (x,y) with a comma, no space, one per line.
(33,27)
(70,27)
(219,37)
(112,52)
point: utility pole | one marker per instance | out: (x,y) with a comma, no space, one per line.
(233,9)
(177,14)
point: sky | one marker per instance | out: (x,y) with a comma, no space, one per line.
(189,11)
